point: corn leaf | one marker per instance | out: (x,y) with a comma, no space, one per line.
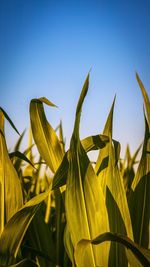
(15,229)
(102,161)
(115,184)
(69,246)
(40,238)
(61,137)
(84,201)
(94,142)
(118,211)
(89,143)
(59,224)
(24,263)
(21,156)
(44,135)
(145,97)
(9,120)
(133,261)
(11,198)
(143,256)
(139,198)
(17,146)
(114,192)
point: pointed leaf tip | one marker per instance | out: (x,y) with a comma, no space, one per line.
(79,106)
(9,120)
(83,94)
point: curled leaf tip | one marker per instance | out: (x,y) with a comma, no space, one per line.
(47,102)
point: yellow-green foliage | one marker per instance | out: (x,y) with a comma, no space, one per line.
(63,211)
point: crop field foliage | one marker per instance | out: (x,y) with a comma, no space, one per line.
(61,209)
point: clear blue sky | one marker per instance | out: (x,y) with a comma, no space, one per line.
(47,49)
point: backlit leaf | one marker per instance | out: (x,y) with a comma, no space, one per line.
(11,198)
(44,135)
(84,201)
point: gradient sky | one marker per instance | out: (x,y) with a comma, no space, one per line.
(47,49)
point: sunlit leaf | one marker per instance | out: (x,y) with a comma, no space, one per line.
(102,161)
(84,201)
(139,198)
(145,97)
(15,229)
(9,120)
(44,135)
(143,256)
(11,198)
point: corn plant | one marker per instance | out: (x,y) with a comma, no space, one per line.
(71,213)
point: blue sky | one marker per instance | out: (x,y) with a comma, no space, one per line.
(47,49)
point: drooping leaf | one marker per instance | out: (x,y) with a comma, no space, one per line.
(44,135)
(11,198)
(84,201)
(143,256)
(17,162)
(89,143)
(21,156)
(133,261)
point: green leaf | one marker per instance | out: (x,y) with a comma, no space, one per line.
(69,246)
(15,229)
(25,263)
(84,201)
(89,143)
(44,135)
(40,238)
(46,101)
(94,142)
(100,167)
(17,146)
(117,207)
(9,120)
(145,97)
(115,184)
(11,198)
(114,192)
(61,137)
(60,224)
(61,174)
(21,156)
(139,198)
(143,256)
(127,171)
